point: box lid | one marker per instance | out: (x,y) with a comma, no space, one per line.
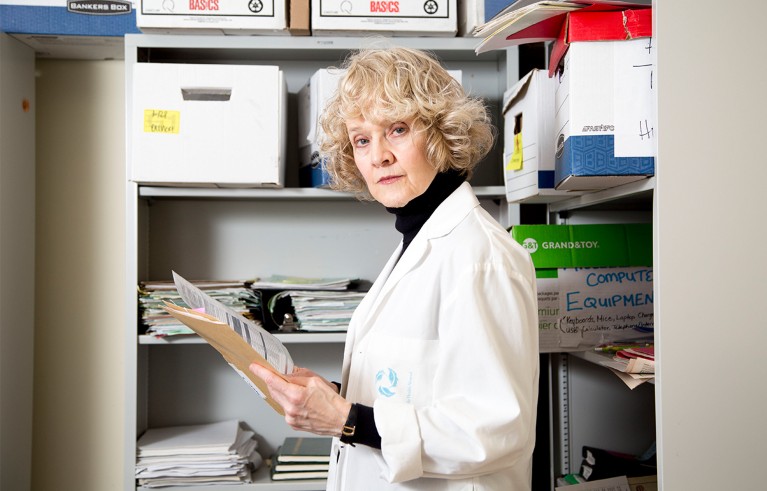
(584,25)
(601,245)
(511,95)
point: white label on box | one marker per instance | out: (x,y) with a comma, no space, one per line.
(248,8)
(385,8)
(634,98)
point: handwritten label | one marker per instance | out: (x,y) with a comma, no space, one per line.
(161,121)
(585,307)
(635,98)
(515,162)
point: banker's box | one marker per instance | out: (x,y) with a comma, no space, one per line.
(595,283)
(474,13)
(86,29)
(605,111)
(312,99)
(389,17)
(208,125)
(215,16)
(529,137)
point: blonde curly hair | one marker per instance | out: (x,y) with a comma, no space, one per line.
(402,84)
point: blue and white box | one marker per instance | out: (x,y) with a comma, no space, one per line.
(311,101)
(529,137)
(68,17)
(605,115)
(83,29)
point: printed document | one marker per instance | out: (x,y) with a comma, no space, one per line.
(239,340)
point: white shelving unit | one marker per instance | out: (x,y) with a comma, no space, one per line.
(590,405)
(243,233)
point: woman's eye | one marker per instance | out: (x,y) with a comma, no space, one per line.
(360,142)
(399,130)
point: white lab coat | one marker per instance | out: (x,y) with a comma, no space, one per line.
(445,348)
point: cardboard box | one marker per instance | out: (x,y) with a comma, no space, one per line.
(312,99)
(389,17)
(590,25)
(595,283)
(208,125)
(213,17)
(529,137)
(85,29)
(605,113)
(474,13)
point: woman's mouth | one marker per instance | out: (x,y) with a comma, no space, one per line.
(388,179)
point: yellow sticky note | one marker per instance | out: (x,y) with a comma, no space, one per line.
(515,162)
(161,121)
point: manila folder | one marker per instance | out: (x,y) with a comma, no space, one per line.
(235,350)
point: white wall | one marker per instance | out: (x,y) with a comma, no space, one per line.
(17,261)
(80,277)
(711,258)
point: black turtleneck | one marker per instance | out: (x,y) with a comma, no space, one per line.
(412,216)
(410,219)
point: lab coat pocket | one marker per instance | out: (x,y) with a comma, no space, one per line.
(400,369)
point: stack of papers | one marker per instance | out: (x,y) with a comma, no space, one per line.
(217,453)
(152,295)
(531,21)
(634,364)
(280,282)
(321,311)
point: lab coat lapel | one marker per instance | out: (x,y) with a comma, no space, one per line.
(444,219)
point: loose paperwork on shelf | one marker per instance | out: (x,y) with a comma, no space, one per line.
(594,283)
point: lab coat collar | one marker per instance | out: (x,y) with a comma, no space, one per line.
(444,219)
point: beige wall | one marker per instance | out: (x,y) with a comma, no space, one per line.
(710,228)
(80,260)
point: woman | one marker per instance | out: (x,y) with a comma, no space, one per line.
(440,372)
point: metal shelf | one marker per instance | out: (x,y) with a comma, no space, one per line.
(285,338)
(289,194)
(283,48)
(637,189)
(261,482)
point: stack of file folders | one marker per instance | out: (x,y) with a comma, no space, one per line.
(217,453)
(320,311)
(302,458)
(292,303)
(236,295)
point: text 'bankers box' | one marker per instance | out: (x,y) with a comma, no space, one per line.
(208,125)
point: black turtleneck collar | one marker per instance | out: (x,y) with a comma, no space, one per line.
(412,216)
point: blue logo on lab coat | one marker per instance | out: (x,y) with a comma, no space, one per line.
(386,381)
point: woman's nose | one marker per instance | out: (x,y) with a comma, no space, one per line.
(380,154)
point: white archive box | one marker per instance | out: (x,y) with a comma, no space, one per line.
(213,17)
(392,17)
(312,99)
(529,138)
(208,125)
(605,115)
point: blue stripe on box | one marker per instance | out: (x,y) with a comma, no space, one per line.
(546,179)
(313,176)
(595,156)
(25,19)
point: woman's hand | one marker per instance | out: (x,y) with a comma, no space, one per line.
(310,402)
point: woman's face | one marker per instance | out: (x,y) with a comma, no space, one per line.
(392,159)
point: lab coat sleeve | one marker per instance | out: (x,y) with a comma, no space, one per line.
(482,416)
